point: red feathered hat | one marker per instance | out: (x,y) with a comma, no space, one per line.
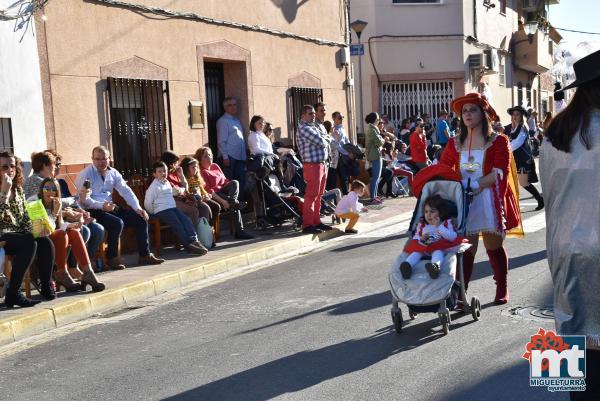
(435,171)
(474,98)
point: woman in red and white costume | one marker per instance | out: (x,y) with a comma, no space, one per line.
(483,158)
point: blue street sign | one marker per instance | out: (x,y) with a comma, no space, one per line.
(357,50)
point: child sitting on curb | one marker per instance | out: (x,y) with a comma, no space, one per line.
(349,207)
(159,202)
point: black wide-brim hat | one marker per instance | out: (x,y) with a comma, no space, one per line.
(587,69)
(520,109)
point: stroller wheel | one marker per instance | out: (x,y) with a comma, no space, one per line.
(412,314)
(397,320)
(445,319)
(475,308)
(262,224)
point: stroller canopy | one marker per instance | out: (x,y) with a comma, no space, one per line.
(433,172)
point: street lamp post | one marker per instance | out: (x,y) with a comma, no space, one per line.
(358,26)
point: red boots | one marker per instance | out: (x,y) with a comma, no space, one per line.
(499,262)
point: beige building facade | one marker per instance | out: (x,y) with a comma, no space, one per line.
(141,81)
(421,55)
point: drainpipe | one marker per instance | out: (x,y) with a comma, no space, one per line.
(475,19)
(349,77)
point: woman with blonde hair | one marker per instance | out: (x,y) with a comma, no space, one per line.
(65,235)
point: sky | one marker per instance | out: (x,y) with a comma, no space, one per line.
(580,15)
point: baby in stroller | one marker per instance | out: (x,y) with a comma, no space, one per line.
(434,236)
(420,292)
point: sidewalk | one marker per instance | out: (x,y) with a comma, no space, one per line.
(179,270)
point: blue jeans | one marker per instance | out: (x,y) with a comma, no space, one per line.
(237,171)
(376,167)
(180,224)
(96,235)
(113,224)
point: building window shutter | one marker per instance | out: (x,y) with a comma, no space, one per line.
(139,123)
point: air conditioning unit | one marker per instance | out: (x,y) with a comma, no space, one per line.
(491,59)
(530,5)
(476,61)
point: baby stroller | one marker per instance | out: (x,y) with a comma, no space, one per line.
(292,172)
(279,203)
(420,293)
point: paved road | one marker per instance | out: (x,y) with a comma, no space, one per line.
(313,328)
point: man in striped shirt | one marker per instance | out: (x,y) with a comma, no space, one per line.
(313,146)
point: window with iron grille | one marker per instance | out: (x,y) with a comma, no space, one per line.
(299,97)
(6,140)
(402,100)
(140,123)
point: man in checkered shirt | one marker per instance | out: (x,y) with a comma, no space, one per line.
(313,146)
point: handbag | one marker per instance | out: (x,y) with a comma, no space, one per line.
(205,233)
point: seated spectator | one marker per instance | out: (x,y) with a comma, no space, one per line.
(103,180)
(197,187)
(393,162)
(388,136)
(186,202)
(15,231)
(263,161)
(259,142)
(405,131)
(388,125)
(91,231)
(349,207)
(221,189)
(43,165)
(65,235)
(333,195)
(159,202)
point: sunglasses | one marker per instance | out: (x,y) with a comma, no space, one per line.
(49,189)
(6,167)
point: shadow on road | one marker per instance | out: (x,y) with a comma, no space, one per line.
(308,368)
(494,387)
(362,304)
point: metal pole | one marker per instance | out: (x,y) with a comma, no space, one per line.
(361,116)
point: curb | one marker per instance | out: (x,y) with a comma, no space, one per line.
(72,309)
